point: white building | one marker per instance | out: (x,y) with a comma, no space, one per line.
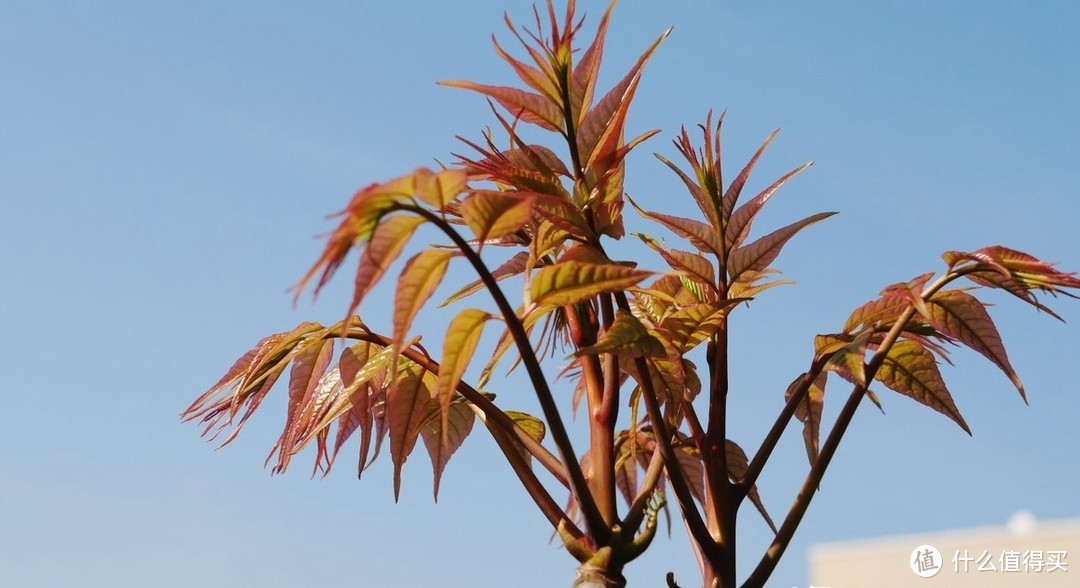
(1023,553)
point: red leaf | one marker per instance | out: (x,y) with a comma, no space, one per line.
(759,254)
(409,405)
(912,371)
(441,444)
(808,411)
(532,108)
(962,317)
(738,226)
(731,196)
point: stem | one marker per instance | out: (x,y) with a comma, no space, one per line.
(722,505)
(594,522)
(813,480)
(753,470)
(698,531)
(604,415)
(636,513)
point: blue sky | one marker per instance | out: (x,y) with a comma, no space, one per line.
(163,170)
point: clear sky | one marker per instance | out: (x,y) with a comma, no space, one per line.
(164,167)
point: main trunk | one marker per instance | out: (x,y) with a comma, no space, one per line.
(589,576)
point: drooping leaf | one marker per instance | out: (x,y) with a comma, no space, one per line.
(808,411)
(760,253)
(961,316)
(491,214)
(737,466)
(693,470)
(458,347)
(912,371)
(532,426)
(421,276)
(409,404)
(441,444)
(532,108)
(626,336)
(572,282)
(360,219)
(386,245)
(308,366)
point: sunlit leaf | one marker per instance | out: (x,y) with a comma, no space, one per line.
(491,214)
(458,347)
(700,235)
(602,128)
(360,218)
(737,466)
(511,267)
(441,444)
(533,108)
(694,324)
(912,371)
(386,245)
(573,282)
(532,426)
(808,411)
(439,189)
(759,254)
(738,226)
(421,276)
(961,316)
(731,195)
(626,336)
(408,406)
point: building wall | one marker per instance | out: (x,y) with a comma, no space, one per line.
(1023,553)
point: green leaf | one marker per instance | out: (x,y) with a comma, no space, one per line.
(441,444)
(441,188)
(533,426)
(962,317)
(409,405)
(692,265)
(492,214)
(626,336)
(692,325)
(421,276)
(759,254)
(572,282)
(912,371)
(460,342)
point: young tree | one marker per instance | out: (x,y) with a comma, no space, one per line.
(630,340)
